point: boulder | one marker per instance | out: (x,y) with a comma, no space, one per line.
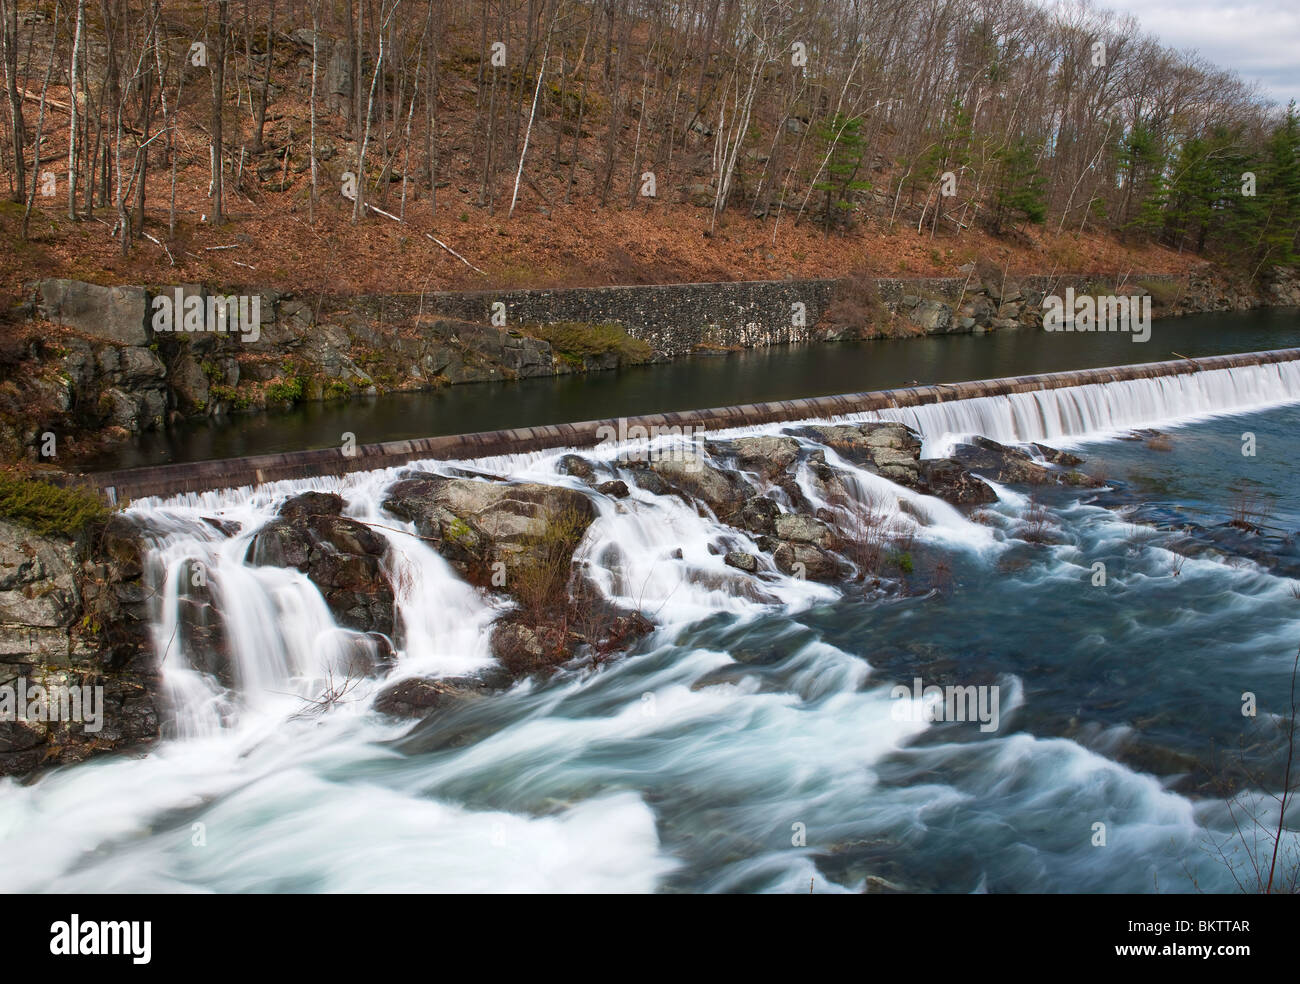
(792,527)
(741,561)
(341,556)
(807,561)
(725,492)
(1009,465)
(758,514)
(113,314)
(420,696)
(948,480)
(768,456)
(476,524)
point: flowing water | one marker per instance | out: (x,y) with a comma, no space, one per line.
(753,742)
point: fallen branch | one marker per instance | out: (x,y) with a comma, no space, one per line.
(158,242)
(457,255)
(390,215)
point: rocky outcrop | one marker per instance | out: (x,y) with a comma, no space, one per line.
(477,524)
(112,314)
(893,451)
(688,474)
(1009,465)
(341,556)
(73,626)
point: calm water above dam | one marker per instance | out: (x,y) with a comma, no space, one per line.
(758,375)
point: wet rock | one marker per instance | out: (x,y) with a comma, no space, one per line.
(742,561)
(948,480)
(870,443)
(768,456)
(575,465)
(74,613)
(1057,457)
(758,514)
(804,529)
(312,504)
(478,524)
(1002,464)
(341,556)
(807,561)
(616,488)
(420,696)
(724,492)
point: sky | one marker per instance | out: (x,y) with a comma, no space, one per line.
(1260,40)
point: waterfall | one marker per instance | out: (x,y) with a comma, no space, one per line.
(758,703)
(653,553)
(1097,408)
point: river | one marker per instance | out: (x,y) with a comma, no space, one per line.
(760,741)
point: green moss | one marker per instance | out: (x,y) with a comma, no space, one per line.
(288,390)
(49,509)
(576,341)
(1162,292)
(458,530)
(337,389)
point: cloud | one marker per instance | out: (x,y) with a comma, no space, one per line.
(1258,40)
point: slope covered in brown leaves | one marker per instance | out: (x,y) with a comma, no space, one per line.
(269,240)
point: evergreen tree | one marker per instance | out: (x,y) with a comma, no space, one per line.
(1019,190)
(846,150)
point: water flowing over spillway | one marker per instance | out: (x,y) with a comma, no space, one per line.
(750,742)
(1077,411)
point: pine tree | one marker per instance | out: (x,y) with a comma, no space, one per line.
(1019,191)
(846,150)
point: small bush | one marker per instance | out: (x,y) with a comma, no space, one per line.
(287,390)
(576,341)
(541,580)
(48,509)
(857,307)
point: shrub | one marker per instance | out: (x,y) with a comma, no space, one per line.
(337,389)
(542,577)
(576,341)
(857,307)
(46,508)
(287,390)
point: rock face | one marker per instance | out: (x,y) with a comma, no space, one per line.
(477,524)
(725,492)
(73,616)
(344,558)
(893,451)
(111,314)
(1013,466)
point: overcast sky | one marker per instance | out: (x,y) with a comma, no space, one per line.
(1260,39)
